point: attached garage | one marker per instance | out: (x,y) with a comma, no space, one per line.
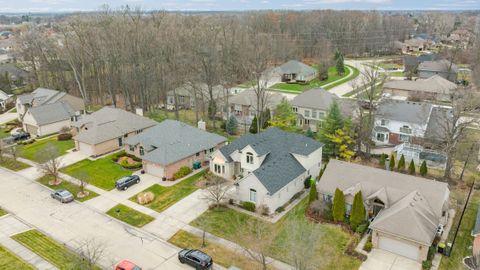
(33,130)
(399,247)
(154,169)
(84,148)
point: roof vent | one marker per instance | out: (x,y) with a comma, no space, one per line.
(412,204)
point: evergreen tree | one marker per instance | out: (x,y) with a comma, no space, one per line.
(313,192)
(339,63)
(338,207)
(357,215)
(266,118)
(333,122)
(253,126)
(391,165)
(232,125)
(382,161)
(423,169)
(309,133)
(411,167)
(401,163)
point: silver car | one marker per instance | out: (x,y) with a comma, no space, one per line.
(63,196)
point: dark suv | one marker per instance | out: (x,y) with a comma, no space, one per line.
(195,258)
(127,181)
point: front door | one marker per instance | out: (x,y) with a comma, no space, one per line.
(120,141)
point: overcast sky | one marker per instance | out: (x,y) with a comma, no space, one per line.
(90,5)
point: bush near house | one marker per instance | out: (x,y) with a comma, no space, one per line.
(249,206)
(64,137)
(357,215)
(391,165)
(183,171)
(423,169)
(368,245)
(338,207)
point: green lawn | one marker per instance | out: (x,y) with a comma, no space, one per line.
(396,74)
(464,240)
(167,196)
(5,131)
(330,248)
(356,72)
(299,88)
(129,215)
(2,212)
(102,172)
(386,65)
(33,151)
(220,255)
(10,261)
(12,164)
(47,248)
(74,189)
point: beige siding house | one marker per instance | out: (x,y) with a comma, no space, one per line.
(170,145)
(105,130)
(405,210)
(434,88)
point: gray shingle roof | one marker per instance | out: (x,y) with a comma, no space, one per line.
(248,98)
(404,111)
(110,123)
(279,167)
(438,66)
(39,96)
(320,99)
(171,141)
(296,67)
(440,123)
(51,113)
(434,84)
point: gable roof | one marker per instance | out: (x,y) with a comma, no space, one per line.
(248,98)
(433,84)
(51,113)
(279,167)
(320,99)
(404,111)
(171,141)
(438,66)
(110,123)
(3,95)
(439,123)
(296,67)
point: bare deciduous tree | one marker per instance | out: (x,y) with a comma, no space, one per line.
(52,166)
(216,190)
(88,255)
(302,242)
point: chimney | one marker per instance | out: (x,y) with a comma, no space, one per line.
(202,125)
(139,111)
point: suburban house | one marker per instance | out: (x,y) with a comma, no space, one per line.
(312,106)
(42,96)
(268,168)
(411,62)
(406,210)
(433,88)
(49,118)
(170,145)
(419,153)
(106,130)
(186,95)
(444,68)
(461,36)
(397,122)
(294,71)
(5,99)
(244,105)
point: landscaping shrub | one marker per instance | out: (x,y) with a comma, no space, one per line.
(280,209)
(401,163)
(382,161)
(338,207)
(307,182)
(124,163)
(26,142)
(118,155)
(391,165)
(296,196)
(249,206)
(357,215)
(362,228)
(183,171)
(64,137)
(431,252)
(423,169)
(426,265)
(145,197)
(368,245)
(411,167)
(264,210)
(313,193)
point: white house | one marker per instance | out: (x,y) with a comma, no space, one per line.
(268,168)
(5,99)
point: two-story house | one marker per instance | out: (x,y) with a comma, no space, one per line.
(190,95)
(398,122)
(312,106)
(268,168)
(444,68)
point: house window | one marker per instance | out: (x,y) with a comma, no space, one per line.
(223,169)
(120,141)
(404,138)
(138,131)
(295,109)
(314,114)
(197,154)
(205,152)
(217,168)
(307,113)
(249,158)
(125,136)
(131,147)
(327,198)
(211,150)
(406,129)
(253,195)
(141,150)
(381,137)
(321,114)
(383,122)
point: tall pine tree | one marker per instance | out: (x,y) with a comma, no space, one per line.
(357,216)
(391,164)
(423,169)
(338,207)
(232,125)
(401,163)
(411,167)
(313,192)
(253,126)
(333,122)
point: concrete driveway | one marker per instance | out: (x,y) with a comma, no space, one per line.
(383,260)
(7,117)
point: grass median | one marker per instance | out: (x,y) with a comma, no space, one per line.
(12,164)
(10,261)
(129,215)
(74,189)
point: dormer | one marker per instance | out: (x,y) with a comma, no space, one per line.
(250,160)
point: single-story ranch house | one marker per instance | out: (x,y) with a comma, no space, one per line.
(105,130)
(268,168)
(406,210)
(170,145)
(295,71)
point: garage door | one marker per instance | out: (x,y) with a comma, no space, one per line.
(85,149)
(398,247)
(154,170)
(31,129)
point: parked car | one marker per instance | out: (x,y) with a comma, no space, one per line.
(127,265)
(62,195)
(195,258)
(125,182)
(19,136)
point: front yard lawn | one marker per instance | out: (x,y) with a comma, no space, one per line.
(129,215)
(330,249)
(47,248)
(74,189)
(102,172)
(12,164)
(167,196)
(10,261)
(220,255)
(34,151)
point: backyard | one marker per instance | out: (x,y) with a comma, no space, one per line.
(10,261)
(74,189)
(12,164)
(129,215)
(330,249)
(299,88)
(167,196)
(102,172)
(34,151)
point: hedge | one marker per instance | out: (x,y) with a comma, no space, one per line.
(250,206)
(183,171)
